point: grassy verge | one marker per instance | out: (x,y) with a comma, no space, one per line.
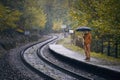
(66,42)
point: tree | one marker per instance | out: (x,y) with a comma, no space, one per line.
(103,16)
(34,15)
(8,17)
(57,25)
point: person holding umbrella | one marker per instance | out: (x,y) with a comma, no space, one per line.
(87,40)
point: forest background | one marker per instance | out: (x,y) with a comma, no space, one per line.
(45,16)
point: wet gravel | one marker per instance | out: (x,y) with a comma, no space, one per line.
(7,72)
(32,58)
(12,68)
(66,65)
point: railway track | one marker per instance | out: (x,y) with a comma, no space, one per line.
(35,57)
(31,60)
(41,55)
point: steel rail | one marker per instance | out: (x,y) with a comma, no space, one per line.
(41,56)
(30,66)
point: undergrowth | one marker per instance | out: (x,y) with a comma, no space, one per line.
(66,42)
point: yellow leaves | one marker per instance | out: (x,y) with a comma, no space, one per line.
(19,30)
(37,17)
(101,15)
(12,18)
(96,23)
(57,25)
(40,19)
(8,17)
(16,13)
(2,11)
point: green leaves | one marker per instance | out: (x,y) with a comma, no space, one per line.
(102,15)
(34,15)
(57,25)
(8,17)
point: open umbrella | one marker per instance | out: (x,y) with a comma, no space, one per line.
(83,29)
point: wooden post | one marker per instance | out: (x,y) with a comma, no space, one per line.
(102,46)
(108,53)
(116,49)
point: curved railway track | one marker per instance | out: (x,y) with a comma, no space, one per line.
(31,60)
(40,53)
(31,51)
(34,57)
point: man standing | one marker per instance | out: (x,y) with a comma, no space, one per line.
(87,41)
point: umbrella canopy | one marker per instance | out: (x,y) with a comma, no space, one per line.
(83,29)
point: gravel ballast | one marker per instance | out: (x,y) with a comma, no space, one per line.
(12,67)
